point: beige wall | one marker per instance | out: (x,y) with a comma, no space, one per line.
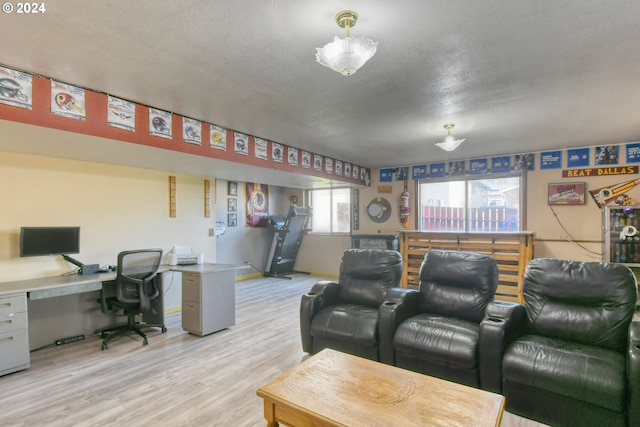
(582,223)
(321,254)
(247,245)
(116,207)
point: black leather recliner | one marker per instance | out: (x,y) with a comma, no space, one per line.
(570,355)
(343,315)
(436,330)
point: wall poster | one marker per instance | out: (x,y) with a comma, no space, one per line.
(567,193)
(257,198)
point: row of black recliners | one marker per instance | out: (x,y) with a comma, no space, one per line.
(568,356)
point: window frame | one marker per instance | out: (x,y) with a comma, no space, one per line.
(522,218)
(331,219)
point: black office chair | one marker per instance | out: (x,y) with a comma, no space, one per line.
(135,288)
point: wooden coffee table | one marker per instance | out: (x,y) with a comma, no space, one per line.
(337,389)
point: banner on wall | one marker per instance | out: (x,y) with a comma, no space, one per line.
(218,137)
(551,159)
(633,152)
(121,114)
(501,164)
(605,195)
(578,157)
(478,166)
(386,174)
(257,202)
(306,160)
(192,131)
(241,143)
(328,165)
(15,88)
(67,100)
(292,156)
(524,162)
(607,155)
(160,123)
(260,148)
(418,172)
(399,173)
(456,168)
(436,170)
(277,152)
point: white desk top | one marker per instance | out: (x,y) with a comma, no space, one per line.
(203,268)
(59,282)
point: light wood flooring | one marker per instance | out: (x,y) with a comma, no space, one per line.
(178,379)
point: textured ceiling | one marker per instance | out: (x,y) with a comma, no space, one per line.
(513,75)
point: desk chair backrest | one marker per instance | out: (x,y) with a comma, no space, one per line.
(136,272)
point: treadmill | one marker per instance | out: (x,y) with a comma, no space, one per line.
(288,233)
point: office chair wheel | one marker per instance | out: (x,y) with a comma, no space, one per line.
(104,346)
(104,335)
(145,342)
(164,329)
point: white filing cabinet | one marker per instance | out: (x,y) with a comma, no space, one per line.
(14,334)
(208,301)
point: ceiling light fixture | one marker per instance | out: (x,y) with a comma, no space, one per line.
(346,55)
(450,143)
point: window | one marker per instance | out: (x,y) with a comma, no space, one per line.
(480,204)
(331,210)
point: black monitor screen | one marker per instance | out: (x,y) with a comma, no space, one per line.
(38,241)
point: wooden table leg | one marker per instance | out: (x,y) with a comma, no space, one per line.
(270,413)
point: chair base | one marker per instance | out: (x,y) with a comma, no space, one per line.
(131,326)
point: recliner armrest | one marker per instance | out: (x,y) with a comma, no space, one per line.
(322,294)
(399,305)
(502,323)
(633,374)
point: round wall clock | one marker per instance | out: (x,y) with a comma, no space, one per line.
(379,209)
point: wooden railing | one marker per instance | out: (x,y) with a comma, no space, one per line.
(512,251)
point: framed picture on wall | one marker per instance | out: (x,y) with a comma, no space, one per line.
(567,193)
(232,220)
(232,205)
(232,188)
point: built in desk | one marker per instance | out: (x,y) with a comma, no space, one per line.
(208,304)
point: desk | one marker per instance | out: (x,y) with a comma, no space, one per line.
(208,304)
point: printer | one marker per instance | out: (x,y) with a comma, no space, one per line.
(183,255)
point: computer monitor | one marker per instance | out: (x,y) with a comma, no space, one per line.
(40,241)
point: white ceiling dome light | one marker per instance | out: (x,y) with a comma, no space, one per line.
(449,143)
(346,55)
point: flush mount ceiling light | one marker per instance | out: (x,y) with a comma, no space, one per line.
(449,143)
(346,55)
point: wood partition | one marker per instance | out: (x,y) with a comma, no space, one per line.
(512,251)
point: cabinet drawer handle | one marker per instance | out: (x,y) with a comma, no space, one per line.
(6,304)
(9,321)
(6,339)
